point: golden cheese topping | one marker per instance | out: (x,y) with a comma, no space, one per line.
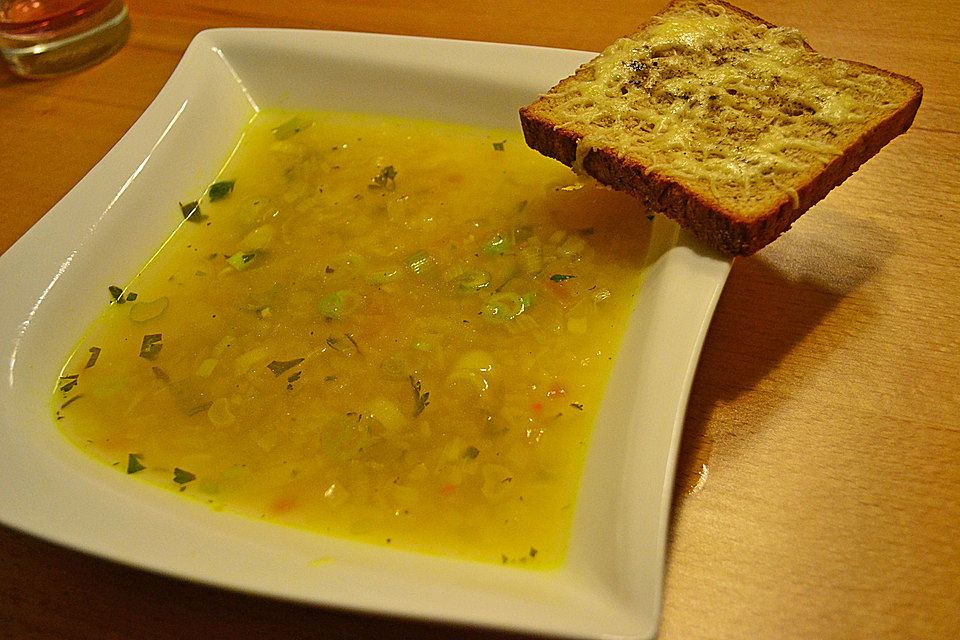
(719,100)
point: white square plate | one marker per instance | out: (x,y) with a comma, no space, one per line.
(53,283)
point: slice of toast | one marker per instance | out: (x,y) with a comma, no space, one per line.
(720,120)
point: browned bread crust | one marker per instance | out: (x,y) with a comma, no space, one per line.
(720,223)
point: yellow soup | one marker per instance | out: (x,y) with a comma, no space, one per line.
(392,331)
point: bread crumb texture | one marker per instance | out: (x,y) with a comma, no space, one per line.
(742,113)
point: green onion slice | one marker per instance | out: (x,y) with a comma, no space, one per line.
(334,306)
(503,307)
(241,259)
(497,246)
(473,280)
(422,263)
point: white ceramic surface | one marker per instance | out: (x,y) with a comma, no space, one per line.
(53,283)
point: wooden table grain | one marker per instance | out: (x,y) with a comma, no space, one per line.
(818,489)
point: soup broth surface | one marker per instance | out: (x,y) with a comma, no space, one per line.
(392,331)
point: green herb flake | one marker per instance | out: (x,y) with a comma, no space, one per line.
(151,346)
(471,452)
(278,367)
(71,401)
(116,293)
(650,217)
(385,179)
(335,342)
(71,382)
(131,297)
(577,405)
(94,355)
(290,128)
(220,190)
(420,400)
(198,409)
(499,146)
(133,463)
(354,343)
(191,212)
(183,477)
(560,277)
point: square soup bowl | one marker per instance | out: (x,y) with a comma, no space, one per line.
(104,230)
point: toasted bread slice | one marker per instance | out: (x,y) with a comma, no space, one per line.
(722,121)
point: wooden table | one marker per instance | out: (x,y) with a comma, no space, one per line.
(818,493)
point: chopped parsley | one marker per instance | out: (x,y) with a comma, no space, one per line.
(335,342)
(499,146)
(71,382)
(420,400)
(191,212)
(278,367)
(220,190)
(354,343)
(560,277)
(183,477)
(94,355)
(385,179)
(133,463)
(151,346)
(116,293)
